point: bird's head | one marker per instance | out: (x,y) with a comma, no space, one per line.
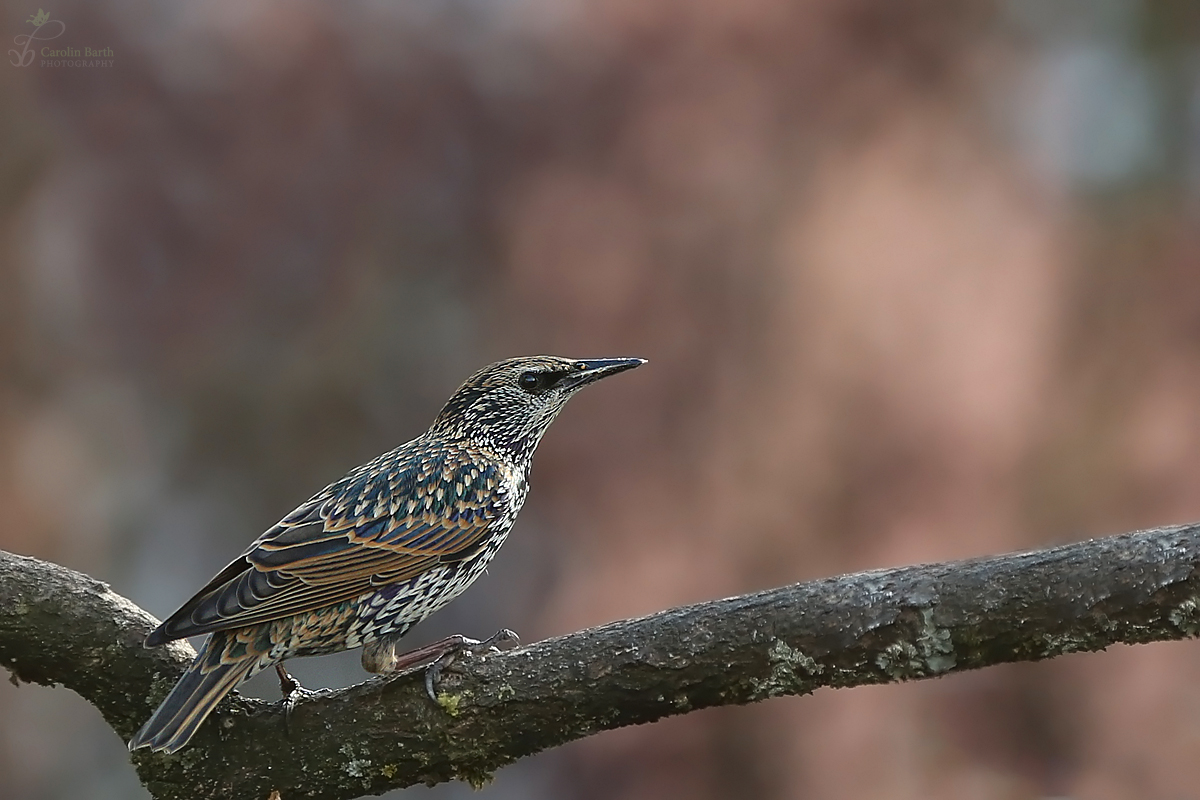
(510,404)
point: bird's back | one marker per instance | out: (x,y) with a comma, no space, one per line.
(407,518)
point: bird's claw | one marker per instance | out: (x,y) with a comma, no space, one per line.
(292,694)
(504,636)
(456,645)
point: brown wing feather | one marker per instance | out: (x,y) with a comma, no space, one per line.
(386,522)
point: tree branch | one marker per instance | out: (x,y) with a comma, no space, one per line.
(60,627)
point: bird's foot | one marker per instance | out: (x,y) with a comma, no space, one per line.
(292,693)
(454,646)
(380,656)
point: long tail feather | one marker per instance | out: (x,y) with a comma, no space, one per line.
(194,697)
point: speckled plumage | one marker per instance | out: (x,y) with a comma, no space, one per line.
(376,552)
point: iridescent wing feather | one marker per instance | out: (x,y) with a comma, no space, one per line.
(386,522)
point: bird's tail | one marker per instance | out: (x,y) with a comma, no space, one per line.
(197,693)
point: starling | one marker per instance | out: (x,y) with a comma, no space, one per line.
(376,552)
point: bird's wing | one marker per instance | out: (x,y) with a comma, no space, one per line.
(383,523)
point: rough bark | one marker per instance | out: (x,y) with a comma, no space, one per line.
(60,627)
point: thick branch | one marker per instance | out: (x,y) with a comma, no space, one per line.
(57,626)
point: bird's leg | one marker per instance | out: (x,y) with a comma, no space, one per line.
(292,692)
(287,684)
(382,658)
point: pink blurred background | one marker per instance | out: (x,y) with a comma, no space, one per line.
(917,281)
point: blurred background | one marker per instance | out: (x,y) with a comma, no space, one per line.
(917,281)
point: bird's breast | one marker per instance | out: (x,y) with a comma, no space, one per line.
(514,486)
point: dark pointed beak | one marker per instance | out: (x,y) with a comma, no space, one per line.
(590,370)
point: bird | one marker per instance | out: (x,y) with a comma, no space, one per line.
(372,554)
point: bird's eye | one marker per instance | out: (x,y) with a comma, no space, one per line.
(530,381)
(580,366)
